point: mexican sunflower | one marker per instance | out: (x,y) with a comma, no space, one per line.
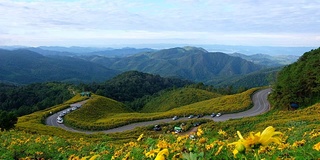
(254,141)
(162,154)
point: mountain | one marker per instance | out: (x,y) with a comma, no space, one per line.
(268,60)
(299,82)
(24,66)
(195,64)
(87,51)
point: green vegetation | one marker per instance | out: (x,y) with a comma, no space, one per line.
(25,67)
(132,85)
(21,100)
(299,82)
(177,98)
(102,113)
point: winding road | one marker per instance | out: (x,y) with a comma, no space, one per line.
(260,105)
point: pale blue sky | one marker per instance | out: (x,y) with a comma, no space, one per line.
(116,22)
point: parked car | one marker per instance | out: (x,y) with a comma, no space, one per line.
(196,124)
(177,129)
(175,118)
(61,114)
(218,114)
(60,121)
(191,116)
(213,115)
(157,128)
(199,115)
(59,118)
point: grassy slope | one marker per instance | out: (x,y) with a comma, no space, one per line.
(98,117)
(177,98)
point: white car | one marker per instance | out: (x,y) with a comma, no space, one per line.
(60,121)
(175,118)
(59,118)
(218,115)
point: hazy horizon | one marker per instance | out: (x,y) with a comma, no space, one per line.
(98,23)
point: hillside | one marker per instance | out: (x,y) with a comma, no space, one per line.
(195,64)
(24,66)
(268,60)
(131,85)
(177,98)
(299,82)
(98,107)
(264,77)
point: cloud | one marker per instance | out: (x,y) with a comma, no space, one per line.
(196,20)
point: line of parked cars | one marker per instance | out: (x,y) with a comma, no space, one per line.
(198,116)
(66,111)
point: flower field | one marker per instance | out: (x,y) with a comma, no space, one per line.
(202,144)
(274,135)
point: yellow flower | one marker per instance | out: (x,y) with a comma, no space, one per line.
(317,146)
(162,154)
(140,137)
(223,133)
(163,144)
(94,157)
(254,141)
(208,147)
(219,150)
(299,143)
(199,132)
(202,140)
(152,153)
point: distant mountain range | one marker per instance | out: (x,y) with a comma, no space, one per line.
(190,63)
(24,66)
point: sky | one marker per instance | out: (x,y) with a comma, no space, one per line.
(102,23)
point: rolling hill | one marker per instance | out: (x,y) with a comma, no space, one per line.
(24,66)
(177,98)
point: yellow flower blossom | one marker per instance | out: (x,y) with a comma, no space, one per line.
(94,157)
(317,146)
(202,140)
(254,141)
(162,154)
(219,150)
(210,146)
(223,133)
(152,153)
(199,132)
(299,143)
(163,144)
(140,137)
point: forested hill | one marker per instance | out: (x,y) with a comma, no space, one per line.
(131,85)
(195,64)
(24,67)
(299,82)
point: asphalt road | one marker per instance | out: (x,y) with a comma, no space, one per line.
(260,105)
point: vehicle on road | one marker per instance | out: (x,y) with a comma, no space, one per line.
(213,115)
(60,121)
(199,115)
(175,118)
(157,128)
(191,116)
(177,129)
(218,114)
(59,118)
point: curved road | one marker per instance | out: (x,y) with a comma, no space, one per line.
(260,105)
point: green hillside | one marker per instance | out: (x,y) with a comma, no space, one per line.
(195,64)
(96,108)
(177,98)
(299,82)
(132,85)
(25,67)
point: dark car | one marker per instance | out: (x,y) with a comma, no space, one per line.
(213,115)
(196,124)
(199,115)
(157,128)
